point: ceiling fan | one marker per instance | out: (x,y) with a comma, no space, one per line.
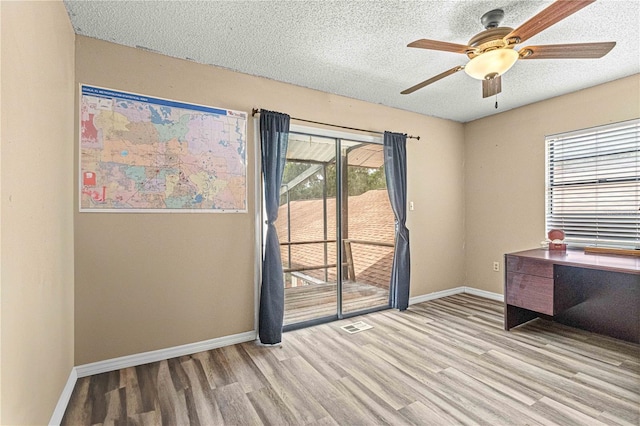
(491,52)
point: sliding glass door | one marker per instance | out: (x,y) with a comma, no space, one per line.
(336,229)
(307,229)
(367,231)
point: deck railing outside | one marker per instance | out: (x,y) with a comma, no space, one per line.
(349,263)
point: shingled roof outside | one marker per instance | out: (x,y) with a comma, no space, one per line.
(370,219)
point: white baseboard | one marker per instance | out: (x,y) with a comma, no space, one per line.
(436,295)
(486,294)
(457,290)
(162,354)
(63,401)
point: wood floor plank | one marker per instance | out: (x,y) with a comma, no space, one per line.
(563,414)
(482,410)
(80,408)
(615,420)
(150,418)
(271,408)
(235,407)
(325,421)
(447,361)
(342,410)
(223,374)
(631,365)
(377,406)
(373,373)
(173,406)
(560,389)
(499,378)
(133,398)
(508,408)
(244,370)
(286,385)
(602,348)
(98,394)
(208,366)
(607,387)
(319,355)
(416,413)
(204,403)
(573,363)
(192,408)
(147,381)
(444,400)
(116,405)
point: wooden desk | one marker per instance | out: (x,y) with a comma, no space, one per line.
(595,292)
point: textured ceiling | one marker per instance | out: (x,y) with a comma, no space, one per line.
(358,48)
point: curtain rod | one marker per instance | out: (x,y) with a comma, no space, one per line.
(255,111)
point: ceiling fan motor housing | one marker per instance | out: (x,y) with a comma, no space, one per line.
(490,39)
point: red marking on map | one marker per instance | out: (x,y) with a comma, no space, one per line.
(89,131)
(89,179)
(96,195)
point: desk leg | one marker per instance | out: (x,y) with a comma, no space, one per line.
(514,316)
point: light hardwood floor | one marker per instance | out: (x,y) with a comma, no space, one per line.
(445,362)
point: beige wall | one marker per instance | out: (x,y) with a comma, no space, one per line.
(505,175)
(36,209)
(152,281)
(146,282)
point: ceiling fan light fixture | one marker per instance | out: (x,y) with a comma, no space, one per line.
(492,63)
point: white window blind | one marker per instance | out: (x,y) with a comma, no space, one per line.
(593,185)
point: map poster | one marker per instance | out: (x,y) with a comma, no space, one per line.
(144,154)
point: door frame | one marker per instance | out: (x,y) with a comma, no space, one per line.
(261,229)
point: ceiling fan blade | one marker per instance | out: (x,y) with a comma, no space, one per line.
(561,51)
(431,80)
(491,86)
(553,14)
(439,45)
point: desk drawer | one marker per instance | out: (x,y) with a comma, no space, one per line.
(526,265)
(530,292)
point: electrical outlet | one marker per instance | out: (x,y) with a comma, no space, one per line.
(496,266)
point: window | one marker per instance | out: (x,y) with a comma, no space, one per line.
(593,185)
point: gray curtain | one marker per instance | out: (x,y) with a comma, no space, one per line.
(274,137)
(395,168)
